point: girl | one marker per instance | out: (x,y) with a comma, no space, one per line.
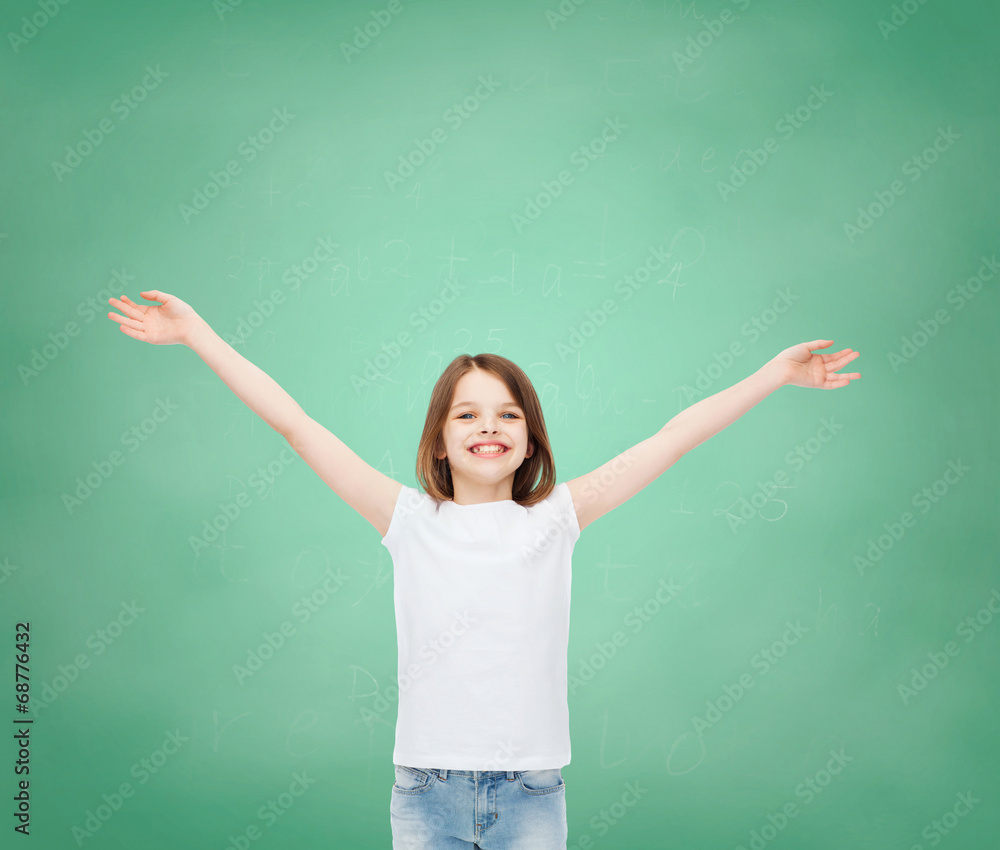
(481,567)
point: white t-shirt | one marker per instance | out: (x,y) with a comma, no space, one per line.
(482,597)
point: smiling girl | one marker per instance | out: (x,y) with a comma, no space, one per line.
(481,569)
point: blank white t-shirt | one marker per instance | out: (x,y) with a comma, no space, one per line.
(482,595)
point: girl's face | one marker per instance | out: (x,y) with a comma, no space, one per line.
(483,411)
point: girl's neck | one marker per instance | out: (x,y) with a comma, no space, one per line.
(480,494)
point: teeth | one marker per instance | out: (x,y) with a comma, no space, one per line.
(489,450)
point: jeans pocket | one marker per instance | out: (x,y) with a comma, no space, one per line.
(540,781)
(411,780)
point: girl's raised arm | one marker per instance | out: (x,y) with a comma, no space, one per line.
(618,480)
(370,492)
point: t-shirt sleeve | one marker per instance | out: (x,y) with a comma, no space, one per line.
(407,502)
(563,505)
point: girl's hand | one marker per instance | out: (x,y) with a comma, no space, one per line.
(801,368)
(168,323)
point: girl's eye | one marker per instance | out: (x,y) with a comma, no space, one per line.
(470,414)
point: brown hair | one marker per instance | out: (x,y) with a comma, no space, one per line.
(434,475)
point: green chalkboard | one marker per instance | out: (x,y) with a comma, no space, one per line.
(317,179)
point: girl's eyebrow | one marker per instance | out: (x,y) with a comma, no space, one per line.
(473,404)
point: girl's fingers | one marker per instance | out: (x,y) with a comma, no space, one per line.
(129,308)
(835,361)
(154,295)
(133,322)
(125,321)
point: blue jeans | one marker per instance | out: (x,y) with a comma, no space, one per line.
(437,809)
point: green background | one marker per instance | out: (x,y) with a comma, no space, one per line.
(898,291)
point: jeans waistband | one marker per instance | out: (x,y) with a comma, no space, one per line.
(477,774)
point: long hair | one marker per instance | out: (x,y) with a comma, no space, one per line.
(534,479)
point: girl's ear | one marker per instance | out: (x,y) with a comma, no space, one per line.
(531,449)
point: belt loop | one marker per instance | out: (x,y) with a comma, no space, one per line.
(510,775)
(443,775)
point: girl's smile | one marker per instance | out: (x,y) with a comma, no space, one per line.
(489,449)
